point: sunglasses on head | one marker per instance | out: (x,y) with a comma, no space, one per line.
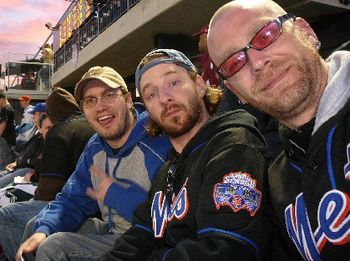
(267,35)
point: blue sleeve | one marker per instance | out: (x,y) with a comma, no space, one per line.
(126,204)
(72,206)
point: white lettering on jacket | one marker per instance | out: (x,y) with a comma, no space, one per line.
(333,223)
(162,212)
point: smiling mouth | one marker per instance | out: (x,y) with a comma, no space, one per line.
(275,81)
(105,119)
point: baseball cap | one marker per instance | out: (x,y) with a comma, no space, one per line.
(170,56)
(25,98)
(105,74)
(203,30)
(39,107)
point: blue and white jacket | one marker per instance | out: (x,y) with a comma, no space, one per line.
(133,169)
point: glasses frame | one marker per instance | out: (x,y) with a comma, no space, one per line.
(279,21)
(103,98)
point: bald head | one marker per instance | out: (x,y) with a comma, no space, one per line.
(234,14)
(268,58)
(265,5)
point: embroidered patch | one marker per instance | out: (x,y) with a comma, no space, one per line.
(237,191)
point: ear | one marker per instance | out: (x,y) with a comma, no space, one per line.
(234,90)
(201,86)
(128,100)
(308,32)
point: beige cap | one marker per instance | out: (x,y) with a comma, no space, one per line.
(105,74)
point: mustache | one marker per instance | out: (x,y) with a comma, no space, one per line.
(170,107)
(263,78)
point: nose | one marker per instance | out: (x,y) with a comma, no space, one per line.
(257,60)
(165,95)
(100,105)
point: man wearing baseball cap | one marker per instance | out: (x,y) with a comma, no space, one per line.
(36,142)
(37,111)
(113,175)
(39,107)
(26,129)
(24,102)
(207,202)
(28,159)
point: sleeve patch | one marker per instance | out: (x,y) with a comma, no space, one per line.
(237,191)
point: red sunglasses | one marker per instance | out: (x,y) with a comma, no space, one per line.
(267,35)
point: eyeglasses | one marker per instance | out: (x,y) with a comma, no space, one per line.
(266,36)
(108,98)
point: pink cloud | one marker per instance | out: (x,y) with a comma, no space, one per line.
(11,4)
(22,24)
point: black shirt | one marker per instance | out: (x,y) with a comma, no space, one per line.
(7,115)
(64,143)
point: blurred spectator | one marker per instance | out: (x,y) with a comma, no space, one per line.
(28,81)
(24,101)
(47,53)
(64,143)
(23,155)
(7,130)
(28,158)
(207,67)
(26,129)
(37,111)
(44,73)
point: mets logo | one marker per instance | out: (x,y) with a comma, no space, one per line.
(237,191)
(162,212)
(333,224)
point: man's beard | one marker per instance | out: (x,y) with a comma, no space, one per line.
(123,127)
(180,125)
(294,99)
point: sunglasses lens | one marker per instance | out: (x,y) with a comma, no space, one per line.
(233,64)
(266,35)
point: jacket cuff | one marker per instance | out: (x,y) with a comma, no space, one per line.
(113,190)
(43,229)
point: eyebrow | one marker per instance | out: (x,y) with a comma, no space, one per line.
(104,92)
(148,85)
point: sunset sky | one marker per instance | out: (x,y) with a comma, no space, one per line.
(22,24)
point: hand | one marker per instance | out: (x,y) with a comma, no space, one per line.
(30,245)
(103,184)
(27,176)
(10,167)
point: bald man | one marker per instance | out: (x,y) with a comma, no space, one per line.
(270,60)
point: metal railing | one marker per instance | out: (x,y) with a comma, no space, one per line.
(99,20)
(28,76)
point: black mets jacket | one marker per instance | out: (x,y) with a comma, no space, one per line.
(310,185)
(208,202)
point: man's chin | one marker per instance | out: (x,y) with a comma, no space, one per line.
(176,131)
